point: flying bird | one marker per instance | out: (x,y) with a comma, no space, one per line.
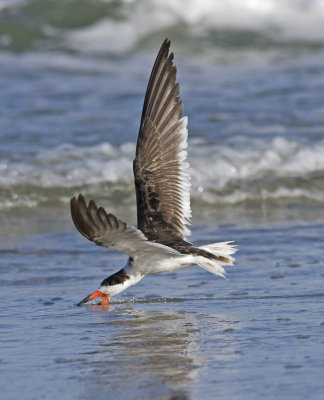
(162,184)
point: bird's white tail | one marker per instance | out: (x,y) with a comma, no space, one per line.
(222,250)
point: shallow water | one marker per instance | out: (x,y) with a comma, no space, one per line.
(72,86)
(184,335)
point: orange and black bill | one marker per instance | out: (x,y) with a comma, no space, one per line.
(95,295)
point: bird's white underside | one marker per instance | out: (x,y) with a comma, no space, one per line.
(165,259)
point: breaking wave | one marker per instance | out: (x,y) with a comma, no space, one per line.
(243,170)
(127,25)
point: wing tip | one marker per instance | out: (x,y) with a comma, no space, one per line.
(79,216)
(166,43)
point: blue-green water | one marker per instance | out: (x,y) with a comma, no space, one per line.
(73,77)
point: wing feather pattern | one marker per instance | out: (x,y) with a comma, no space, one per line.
(161,179)
(106,230)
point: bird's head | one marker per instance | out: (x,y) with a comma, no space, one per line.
(111,286)
(114,284)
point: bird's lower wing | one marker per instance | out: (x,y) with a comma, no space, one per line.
(106,230)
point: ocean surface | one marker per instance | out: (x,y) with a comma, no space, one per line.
(72,83)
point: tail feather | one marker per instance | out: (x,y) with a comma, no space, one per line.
(223,251)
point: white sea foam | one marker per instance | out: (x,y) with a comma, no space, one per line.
(243,170)
(68,165)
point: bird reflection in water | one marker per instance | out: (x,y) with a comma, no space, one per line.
(147,353)
(101,307)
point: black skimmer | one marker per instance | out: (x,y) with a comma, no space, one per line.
(162,184)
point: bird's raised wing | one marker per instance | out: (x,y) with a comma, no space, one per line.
(106,230)
(161,179)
